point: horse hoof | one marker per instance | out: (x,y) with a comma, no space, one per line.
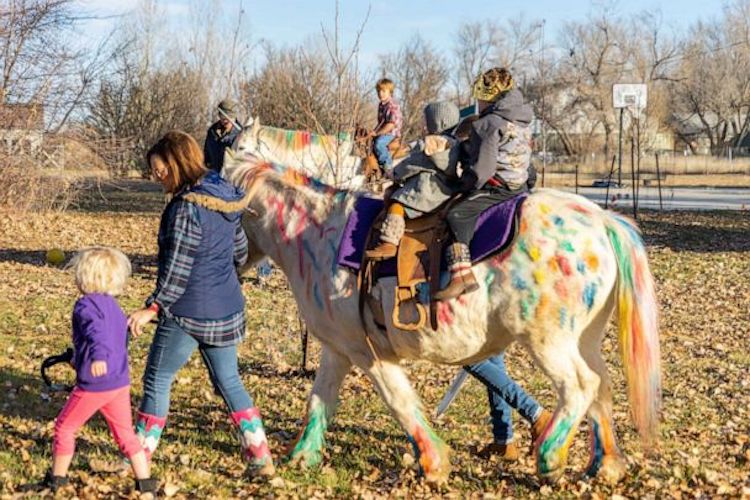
(265,470)
(613,469)
(305,459)
(438,476)
(551,477)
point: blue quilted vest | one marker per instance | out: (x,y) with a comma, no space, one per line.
(213,288)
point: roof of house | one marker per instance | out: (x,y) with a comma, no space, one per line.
(21,116)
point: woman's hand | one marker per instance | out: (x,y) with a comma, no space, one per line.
(139,319)
(98,368)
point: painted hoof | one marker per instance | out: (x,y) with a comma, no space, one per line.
(436,471)
(438,476)
(613,469)
(305,459)
(552,476)
(550,467)
(262,471)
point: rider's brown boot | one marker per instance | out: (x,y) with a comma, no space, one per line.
(391,233)
(462,278)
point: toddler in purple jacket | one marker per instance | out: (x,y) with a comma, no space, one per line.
(101,362)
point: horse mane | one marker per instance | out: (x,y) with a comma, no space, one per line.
(255,173)
(296,140)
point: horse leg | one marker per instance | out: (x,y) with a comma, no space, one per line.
(576,385)
(307,449)
(606,459)
(431,452)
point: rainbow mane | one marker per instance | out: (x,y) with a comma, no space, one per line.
(297,140)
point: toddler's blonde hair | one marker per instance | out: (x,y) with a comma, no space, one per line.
(101,270)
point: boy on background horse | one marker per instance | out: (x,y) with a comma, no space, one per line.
(389,124)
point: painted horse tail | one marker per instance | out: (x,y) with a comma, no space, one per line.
(638,325)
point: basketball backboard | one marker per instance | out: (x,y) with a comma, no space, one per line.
(629,95)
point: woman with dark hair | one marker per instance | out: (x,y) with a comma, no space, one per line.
(198,299)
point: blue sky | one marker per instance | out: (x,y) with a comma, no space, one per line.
(392,22)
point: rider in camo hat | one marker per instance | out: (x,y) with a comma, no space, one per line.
(221,135)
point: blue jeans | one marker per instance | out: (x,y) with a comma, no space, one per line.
(170,350)
(503,393)
(380,148)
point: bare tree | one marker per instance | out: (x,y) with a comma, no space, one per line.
(481,45)
(597,58)
(713,90)
(653,52)
(420,75)
(39,62)
(315,86)
(473,47)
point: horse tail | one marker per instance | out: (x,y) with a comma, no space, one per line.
(638,325)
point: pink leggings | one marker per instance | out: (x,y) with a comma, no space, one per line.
(82,405)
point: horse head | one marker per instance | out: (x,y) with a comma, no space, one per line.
(248,140)
(362,141)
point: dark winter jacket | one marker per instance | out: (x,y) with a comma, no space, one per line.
(428,175)
(500,143)
(217,141)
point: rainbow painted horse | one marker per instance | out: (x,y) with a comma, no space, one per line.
(553,290)
(325,157)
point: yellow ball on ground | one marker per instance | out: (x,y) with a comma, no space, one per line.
(55,256)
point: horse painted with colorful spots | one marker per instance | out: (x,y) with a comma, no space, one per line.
(553,291)
(322,156)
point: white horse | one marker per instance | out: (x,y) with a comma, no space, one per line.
(321,156)
(554,291)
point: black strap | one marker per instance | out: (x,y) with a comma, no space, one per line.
(51,361)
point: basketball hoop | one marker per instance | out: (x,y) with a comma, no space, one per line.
(629,95)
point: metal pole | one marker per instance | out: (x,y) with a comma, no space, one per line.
(632,174)
(638,157)
(544,128)
(658,180)
(619,152)
(609,179)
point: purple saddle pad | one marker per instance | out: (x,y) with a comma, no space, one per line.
(493,230)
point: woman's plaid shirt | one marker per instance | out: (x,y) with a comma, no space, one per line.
(182,241)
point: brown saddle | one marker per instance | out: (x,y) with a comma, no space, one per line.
(417,263)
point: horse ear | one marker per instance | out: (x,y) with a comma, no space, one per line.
(255,126)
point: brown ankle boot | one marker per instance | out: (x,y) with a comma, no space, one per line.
(506,452)
(460,283)
(462,278)
(537,428)
(390,235)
